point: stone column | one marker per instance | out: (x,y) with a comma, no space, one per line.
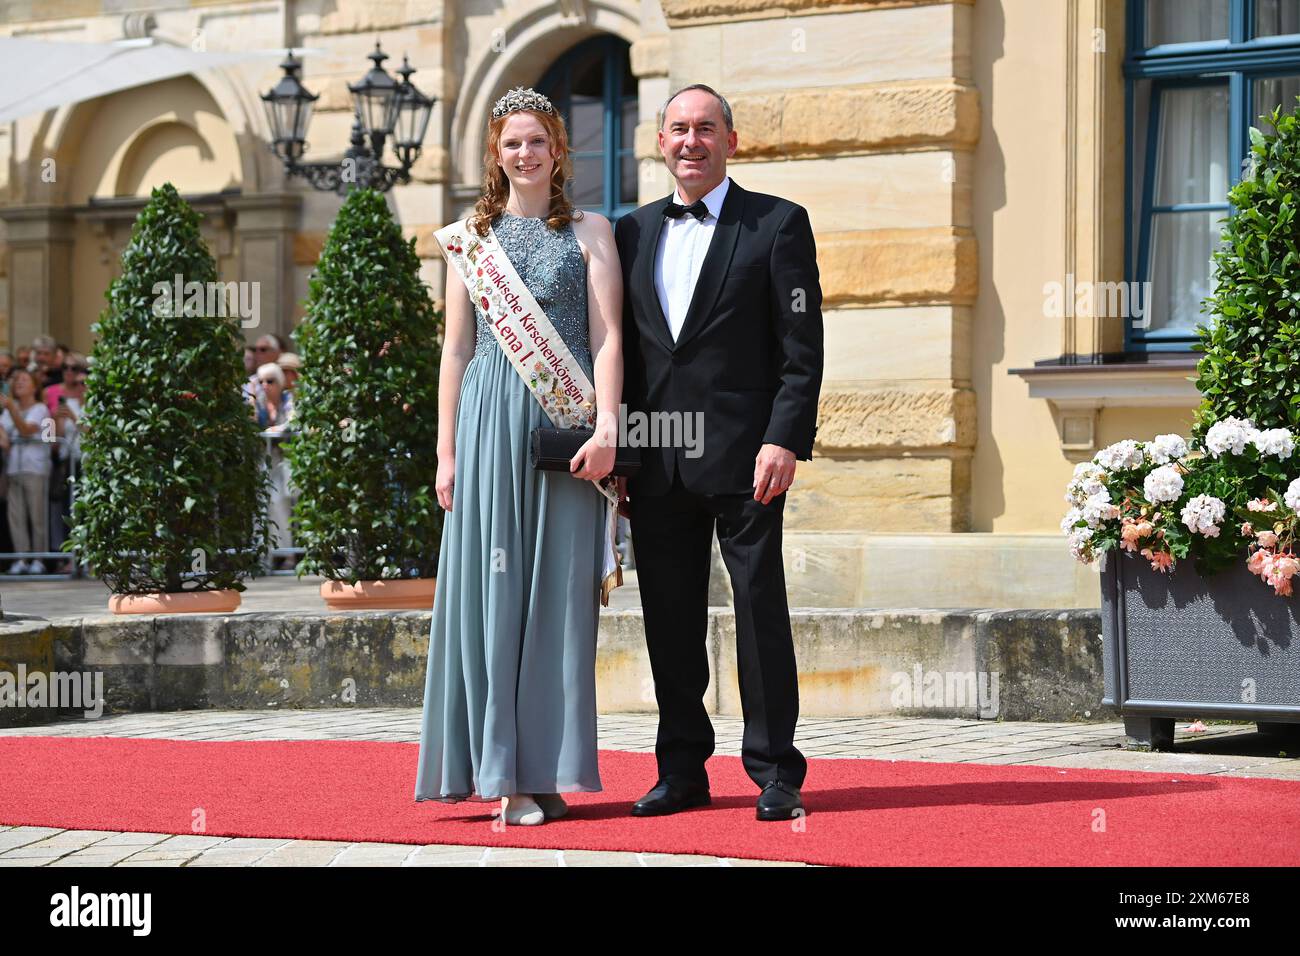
(265,226)
(649,57)
(866,114)
(39,265)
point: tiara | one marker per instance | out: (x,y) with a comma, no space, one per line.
(521,99)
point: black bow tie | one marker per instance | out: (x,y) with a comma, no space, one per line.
(677,210)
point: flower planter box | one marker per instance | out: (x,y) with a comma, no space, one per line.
(1180,646)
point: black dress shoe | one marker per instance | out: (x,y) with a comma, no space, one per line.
(669,795)
(779,801)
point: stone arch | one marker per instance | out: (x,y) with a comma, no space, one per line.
(66,132)
(537,39)
(157,144)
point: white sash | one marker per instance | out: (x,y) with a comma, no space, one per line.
(536,352)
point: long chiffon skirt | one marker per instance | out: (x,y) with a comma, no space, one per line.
(510,690)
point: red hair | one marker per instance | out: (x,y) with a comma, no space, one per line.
(496,185)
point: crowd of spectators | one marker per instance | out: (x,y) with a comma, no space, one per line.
(273,376)
(42,399)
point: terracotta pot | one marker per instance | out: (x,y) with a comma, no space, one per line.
(170,602)
(396,594)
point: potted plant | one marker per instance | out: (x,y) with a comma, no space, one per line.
(364,456)
(1197,537)
(171,502)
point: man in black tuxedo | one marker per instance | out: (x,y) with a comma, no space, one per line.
(721,324)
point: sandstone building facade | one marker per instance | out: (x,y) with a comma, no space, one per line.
(957,157)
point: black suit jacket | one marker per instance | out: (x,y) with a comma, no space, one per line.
(749,355)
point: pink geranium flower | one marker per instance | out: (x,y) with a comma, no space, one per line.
(1161,561)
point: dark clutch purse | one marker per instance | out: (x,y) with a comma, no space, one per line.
(551,449)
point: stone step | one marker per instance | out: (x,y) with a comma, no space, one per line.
(990,664)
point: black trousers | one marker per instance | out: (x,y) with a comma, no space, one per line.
(672,535)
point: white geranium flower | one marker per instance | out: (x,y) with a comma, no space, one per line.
(1292,496)
(1203,513)
(1121,456)
(1088,480)
(1078,540)
(1231,434)
(1071,519)
(1098,508)
(1163,484)
(1165,448)
(1275,441)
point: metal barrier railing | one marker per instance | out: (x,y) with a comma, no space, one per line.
(76,567)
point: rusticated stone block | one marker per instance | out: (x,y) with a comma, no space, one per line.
(930,494)
(1049,662)
(649,56)
(367,16)
(759,118)
(426,245)
(689,12)
(307,247)
(432,165)
(332,94)
(898,266)
(188,662)
(276,660)
(895,417)
(122,649)
(838,120)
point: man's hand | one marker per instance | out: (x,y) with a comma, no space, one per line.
(773,472)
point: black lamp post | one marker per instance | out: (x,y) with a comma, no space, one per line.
(384,108)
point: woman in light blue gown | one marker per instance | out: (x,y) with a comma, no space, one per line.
(510,691)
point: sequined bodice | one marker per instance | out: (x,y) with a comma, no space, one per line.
(551,264)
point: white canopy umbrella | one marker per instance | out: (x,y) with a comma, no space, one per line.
(37,75)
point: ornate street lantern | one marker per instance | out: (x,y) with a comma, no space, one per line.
(288,109)
(411,117)
(383,108)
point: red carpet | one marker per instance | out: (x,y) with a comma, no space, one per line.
(860,812)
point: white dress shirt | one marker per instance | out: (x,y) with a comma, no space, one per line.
(683,244)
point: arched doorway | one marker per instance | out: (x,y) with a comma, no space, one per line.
(595,92)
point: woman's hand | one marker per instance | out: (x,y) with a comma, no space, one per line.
(446,480)
(594,460)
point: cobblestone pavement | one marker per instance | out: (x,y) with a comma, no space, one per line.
(1233,750)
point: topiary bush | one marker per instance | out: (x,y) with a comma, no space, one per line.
(172,495)
(1251,343)
(364,458)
